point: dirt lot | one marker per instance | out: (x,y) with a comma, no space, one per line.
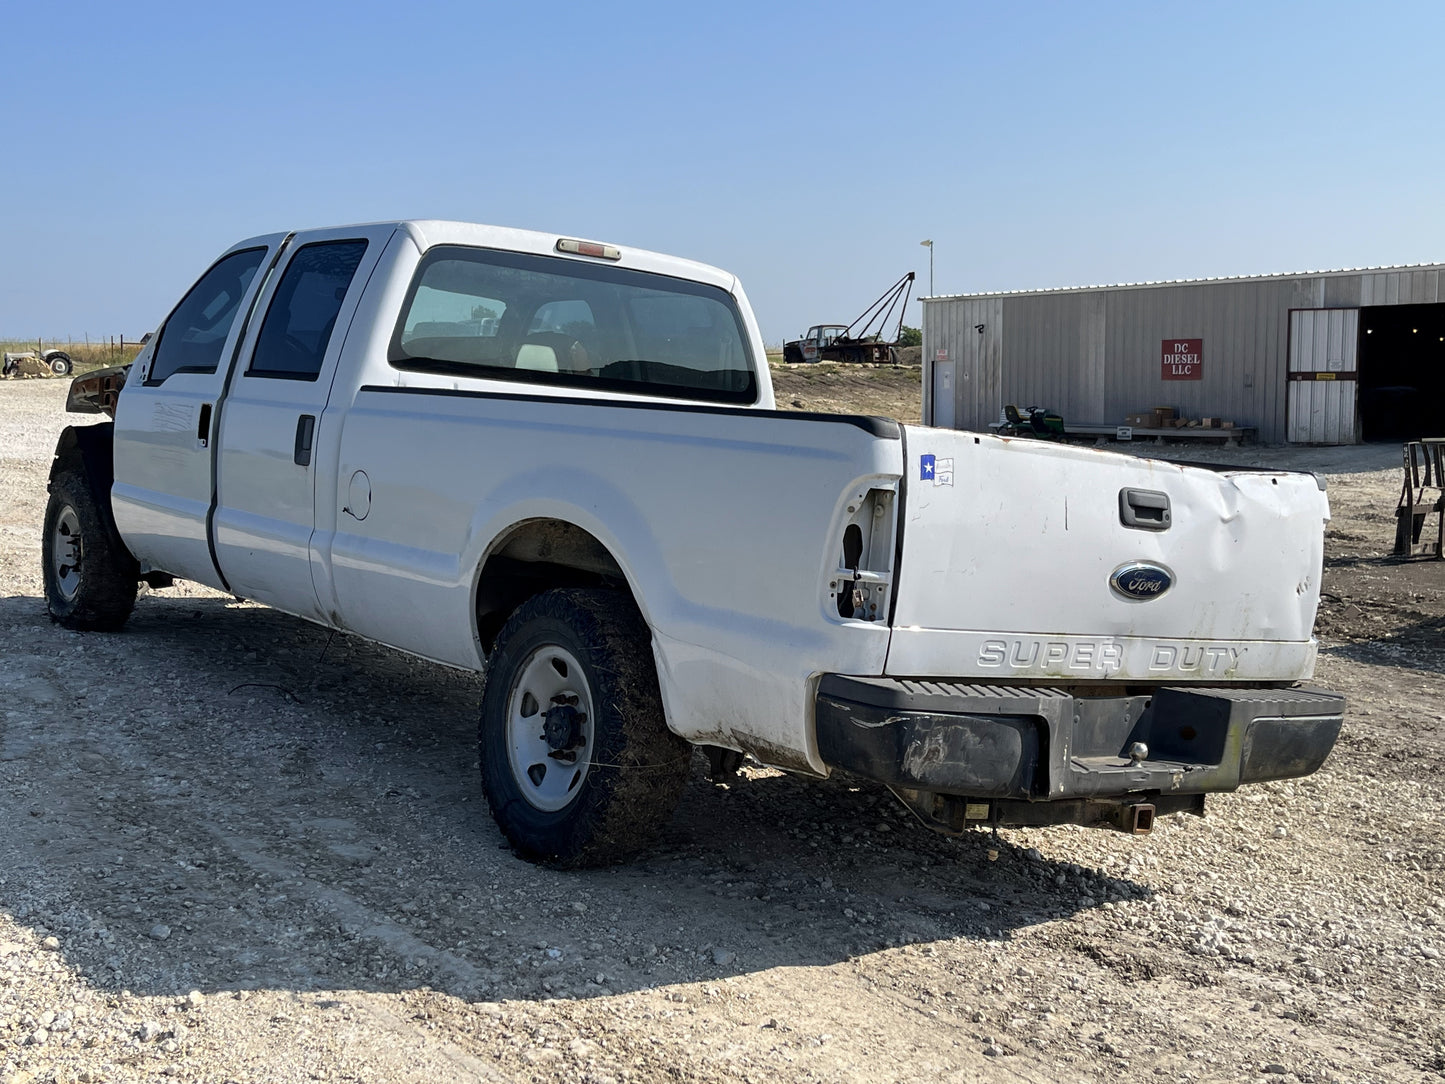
(233,848)
(828,387)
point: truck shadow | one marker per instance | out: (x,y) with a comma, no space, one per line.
(223,797)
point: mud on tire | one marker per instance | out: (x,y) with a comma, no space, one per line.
(91,579)
(568,790)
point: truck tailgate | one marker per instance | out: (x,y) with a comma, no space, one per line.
(1017,563)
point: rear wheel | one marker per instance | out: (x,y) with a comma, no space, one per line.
(90,578)
(577,762)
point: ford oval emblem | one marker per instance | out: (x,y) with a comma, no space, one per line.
(1141,580)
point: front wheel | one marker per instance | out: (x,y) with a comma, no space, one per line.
(60,364)
(577,762)
(91,580)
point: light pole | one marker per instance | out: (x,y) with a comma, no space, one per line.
(929,245)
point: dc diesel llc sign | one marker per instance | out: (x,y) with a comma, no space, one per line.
(1182,359)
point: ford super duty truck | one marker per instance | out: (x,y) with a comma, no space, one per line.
(558,462)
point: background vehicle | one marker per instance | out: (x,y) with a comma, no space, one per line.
(57,361)
(862,340)
(594,500)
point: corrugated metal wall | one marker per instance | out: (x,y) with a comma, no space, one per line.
(976,355)
(1093,355)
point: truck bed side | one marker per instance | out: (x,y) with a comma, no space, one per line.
(725,524)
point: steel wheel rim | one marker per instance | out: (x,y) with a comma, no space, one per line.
(66,552)
(550,677)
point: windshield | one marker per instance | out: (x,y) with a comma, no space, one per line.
(548,320)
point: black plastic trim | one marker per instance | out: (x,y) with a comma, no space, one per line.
(883,428)
(1043,744)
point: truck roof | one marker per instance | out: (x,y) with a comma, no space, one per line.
(427,232)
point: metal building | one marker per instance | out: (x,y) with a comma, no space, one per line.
(1327,357)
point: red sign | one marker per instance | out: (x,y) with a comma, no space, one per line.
(1182,359)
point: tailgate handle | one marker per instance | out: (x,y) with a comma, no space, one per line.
(1144,509)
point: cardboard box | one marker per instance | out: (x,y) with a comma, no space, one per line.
(1226,425)
(1166,413)
(1179,423)
(1140,421)
(1209,423)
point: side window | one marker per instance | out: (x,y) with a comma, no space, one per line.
(298,325)
(439,313)
(195,334)
(563,316)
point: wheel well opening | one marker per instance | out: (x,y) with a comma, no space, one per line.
(537,556)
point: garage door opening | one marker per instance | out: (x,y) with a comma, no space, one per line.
(1402,372)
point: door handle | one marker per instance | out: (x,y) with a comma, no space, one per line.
(1144,509)
(203,426)
(305,431)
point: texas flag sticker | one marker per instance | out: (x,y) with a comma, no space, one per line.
(935,470)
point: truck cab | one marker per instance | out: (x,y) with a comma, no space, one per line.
(809,347)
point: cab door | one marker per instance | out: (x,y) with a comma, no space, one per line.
(810,344)
(271,415)
(165,416)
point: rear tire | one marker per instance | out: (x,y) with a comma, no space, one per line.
(91,579)
(577,761)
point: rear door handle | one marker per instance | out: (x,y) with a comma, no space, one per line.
(203,426)
(1144,509)
(305,431)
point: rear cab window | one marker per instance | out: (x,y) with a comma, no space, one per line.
(549,320)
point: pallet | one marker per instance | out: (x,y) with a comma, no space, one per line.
(1240,434)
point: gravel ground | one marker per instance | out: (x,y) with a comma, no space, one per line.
(233,848)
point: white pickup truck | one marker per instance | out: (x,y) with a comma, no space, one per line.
(558,462)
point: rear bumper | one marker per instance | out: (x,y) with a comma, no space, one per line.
(1008,745)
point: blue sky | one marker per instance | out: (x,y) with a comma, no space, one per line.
(806,147)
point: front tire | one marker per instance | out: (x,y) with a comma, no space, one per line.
(577,762)
(91,580)
(60,364)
